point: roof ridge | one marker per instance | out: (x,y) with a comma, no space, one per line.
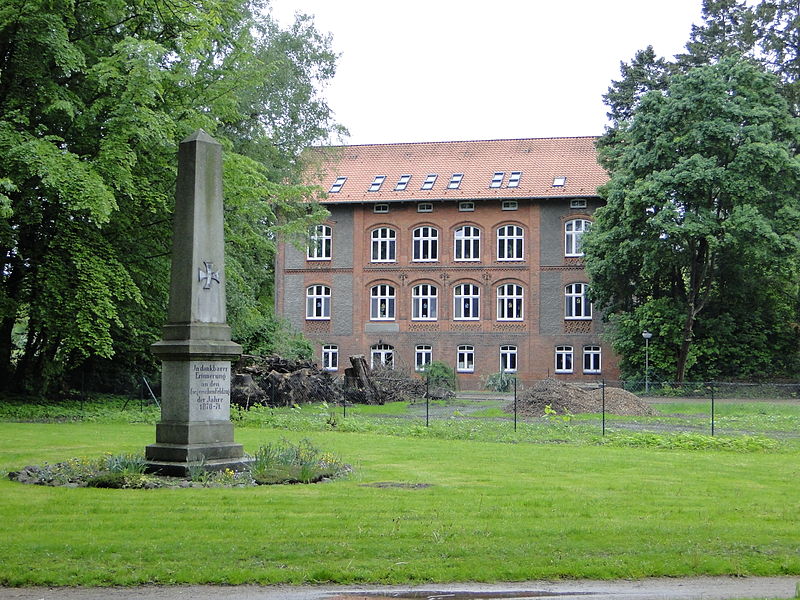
(525,139)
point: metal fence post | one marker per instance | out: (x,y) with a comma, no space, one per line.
(515,404)
(427,411)
(603,397)
(712,408)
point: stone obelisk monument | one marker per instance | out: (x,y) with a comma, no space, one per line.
(196,348)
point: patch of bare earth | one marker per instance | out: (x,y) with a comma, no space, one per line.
(571,398)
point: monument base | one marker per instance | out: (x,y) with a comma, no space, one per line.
(178,459)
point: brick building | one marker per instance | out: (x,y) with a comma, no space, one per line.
(462,252)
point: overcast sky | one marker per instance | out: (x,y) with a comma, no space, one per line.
(443,70)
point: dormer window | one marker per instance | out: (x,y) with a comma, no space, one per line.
(559,181)
(377,183)
(513,179)
(337,185)
(402,183)
(429,181)
(497,179)
(455,181)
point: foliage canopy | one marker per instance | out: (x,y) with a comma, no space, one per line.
(94,97)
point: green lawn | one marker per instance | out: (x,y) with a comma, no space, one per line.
(493,512)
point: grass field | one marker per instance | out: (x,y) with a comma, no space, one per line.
(499,506)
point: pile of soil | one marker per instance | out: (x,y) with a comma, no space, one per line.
(571,398)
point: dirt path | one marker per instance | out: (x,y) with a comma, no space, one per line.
(695,588)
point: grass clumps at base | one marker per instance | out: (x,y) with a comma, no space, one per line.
(294,463)
(283,462)
(689,441)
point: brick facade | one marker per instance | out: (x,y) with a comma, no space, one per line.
(538,267)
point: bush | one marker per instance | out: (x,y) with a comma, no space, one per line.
(439,375)
(499,382)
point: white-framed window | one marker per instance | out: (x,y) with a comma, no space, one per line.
(508,359)
(509,205)
(467,242)
(330,357)
(455,181)
(576,305)
(320,243)
(563,359)
(423,356)
(429,181)
(318,302)
(573,232)
(591,359)
(578,203)
(465,359)
(424,302)
(384,245)
(510,242)
(425,207)
(513,179)
(380,208)
(382,302)
(510,302)
(402,183)
(466,207)
(381,355)
(337,185)
(497,179)
(425,244)
(466,302)
(376,184)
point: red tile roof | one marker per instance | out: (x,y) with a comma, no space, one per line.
(539,159)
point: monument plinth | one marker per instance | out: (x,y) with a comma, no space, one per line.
(196,348)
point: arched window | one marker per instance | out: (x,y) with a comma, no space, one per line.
(319,243)
(509,302)
(465,360)
(384,245)
(423,355)
(425,244)
(330,357)
(381,355)
(591,359)
(510,243)
(563,359)
(508,359)
(573,232)
(318,302)
(424,302)
(382,301)
(576,305)
(467,241)
(466,302)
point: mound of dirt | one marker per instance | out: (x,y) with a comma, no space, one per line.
(571,398)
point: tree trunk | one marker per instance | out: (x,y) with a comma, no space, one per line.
(686,342)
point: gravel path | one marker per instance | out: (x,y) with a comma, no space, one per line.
(695,588)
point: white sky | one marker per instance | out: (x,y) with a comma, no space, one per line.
(444,70)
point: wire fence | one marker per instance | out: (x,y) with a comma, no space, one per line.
(710,408)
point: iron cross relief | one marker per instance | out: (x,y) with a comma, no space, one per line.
(208,275)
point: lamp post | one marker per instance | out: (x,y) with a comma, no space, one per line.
(647,335)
